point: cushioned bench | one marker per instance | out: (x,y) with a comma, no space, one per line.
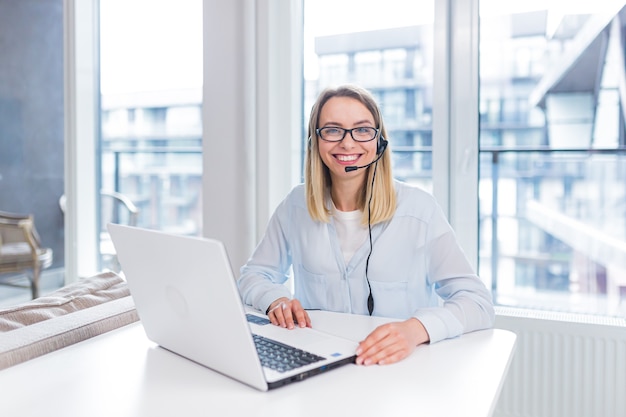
(86,308)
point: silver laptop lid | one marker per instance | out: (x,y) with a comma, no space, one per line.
(186,297)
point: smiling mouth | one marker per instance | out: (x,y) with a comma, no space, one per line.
(347,158)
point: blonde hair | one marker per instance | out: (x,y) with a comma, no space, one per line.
(317,175)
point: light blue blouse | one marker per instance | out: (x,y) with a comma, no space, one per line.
(416,269)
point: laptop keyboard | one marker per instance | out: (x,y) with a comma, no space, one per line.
(276,355)
(261,321)
(281,357)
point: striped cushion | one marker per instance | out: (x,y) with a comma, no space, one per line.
(84,293)
(74,313)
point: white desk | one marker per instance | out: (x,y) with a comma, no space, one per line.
(122,373)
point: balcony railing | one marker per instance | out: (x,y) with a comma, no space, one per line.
(553,220)
(164,182)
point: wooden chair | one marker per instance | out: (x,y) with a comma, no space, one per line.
(20,249)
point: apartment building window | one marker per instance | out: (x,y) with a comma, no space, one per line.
(394,65)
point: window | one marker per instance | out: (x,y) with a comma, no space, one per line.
(151,123)
(551,220)
(385,49)
(552,217)
(32,127)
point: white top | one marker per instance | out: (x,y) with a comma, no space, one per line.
(350,231)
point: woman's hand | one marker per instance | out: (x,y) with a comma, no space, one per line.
(287,313)
(391,342)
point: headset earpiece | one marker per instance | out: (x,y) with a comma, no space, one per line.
(382,145)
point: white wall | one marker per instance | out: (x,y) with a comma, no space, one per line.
(251,97)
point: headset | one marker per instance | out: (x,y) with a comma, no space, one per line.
(380,150)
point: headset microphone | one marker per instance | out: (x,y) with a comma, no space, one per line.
(381,150)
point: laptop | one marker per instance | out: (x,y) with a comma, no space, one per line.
(187,299)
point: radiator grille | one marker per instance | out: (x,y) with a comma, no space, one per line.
(564,365)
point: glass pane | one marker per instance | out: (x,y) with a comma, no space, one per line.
(387,50)
(151,85)
(552,186)
(31,137)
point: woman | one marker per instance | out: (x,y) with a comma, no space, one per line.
(360,242)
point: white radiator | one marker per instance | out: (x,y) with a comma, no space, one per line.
(565,365)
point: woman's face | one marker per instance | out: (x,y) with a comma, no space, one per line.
(346,113)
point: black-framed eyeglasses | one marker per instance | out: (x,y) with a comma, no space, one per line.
(336,134)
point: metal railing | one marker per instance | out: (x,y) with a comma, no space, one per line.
(573,171)
(156,178)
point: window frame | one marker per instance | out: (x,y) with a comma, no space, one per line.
(81,118)
(455,119)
